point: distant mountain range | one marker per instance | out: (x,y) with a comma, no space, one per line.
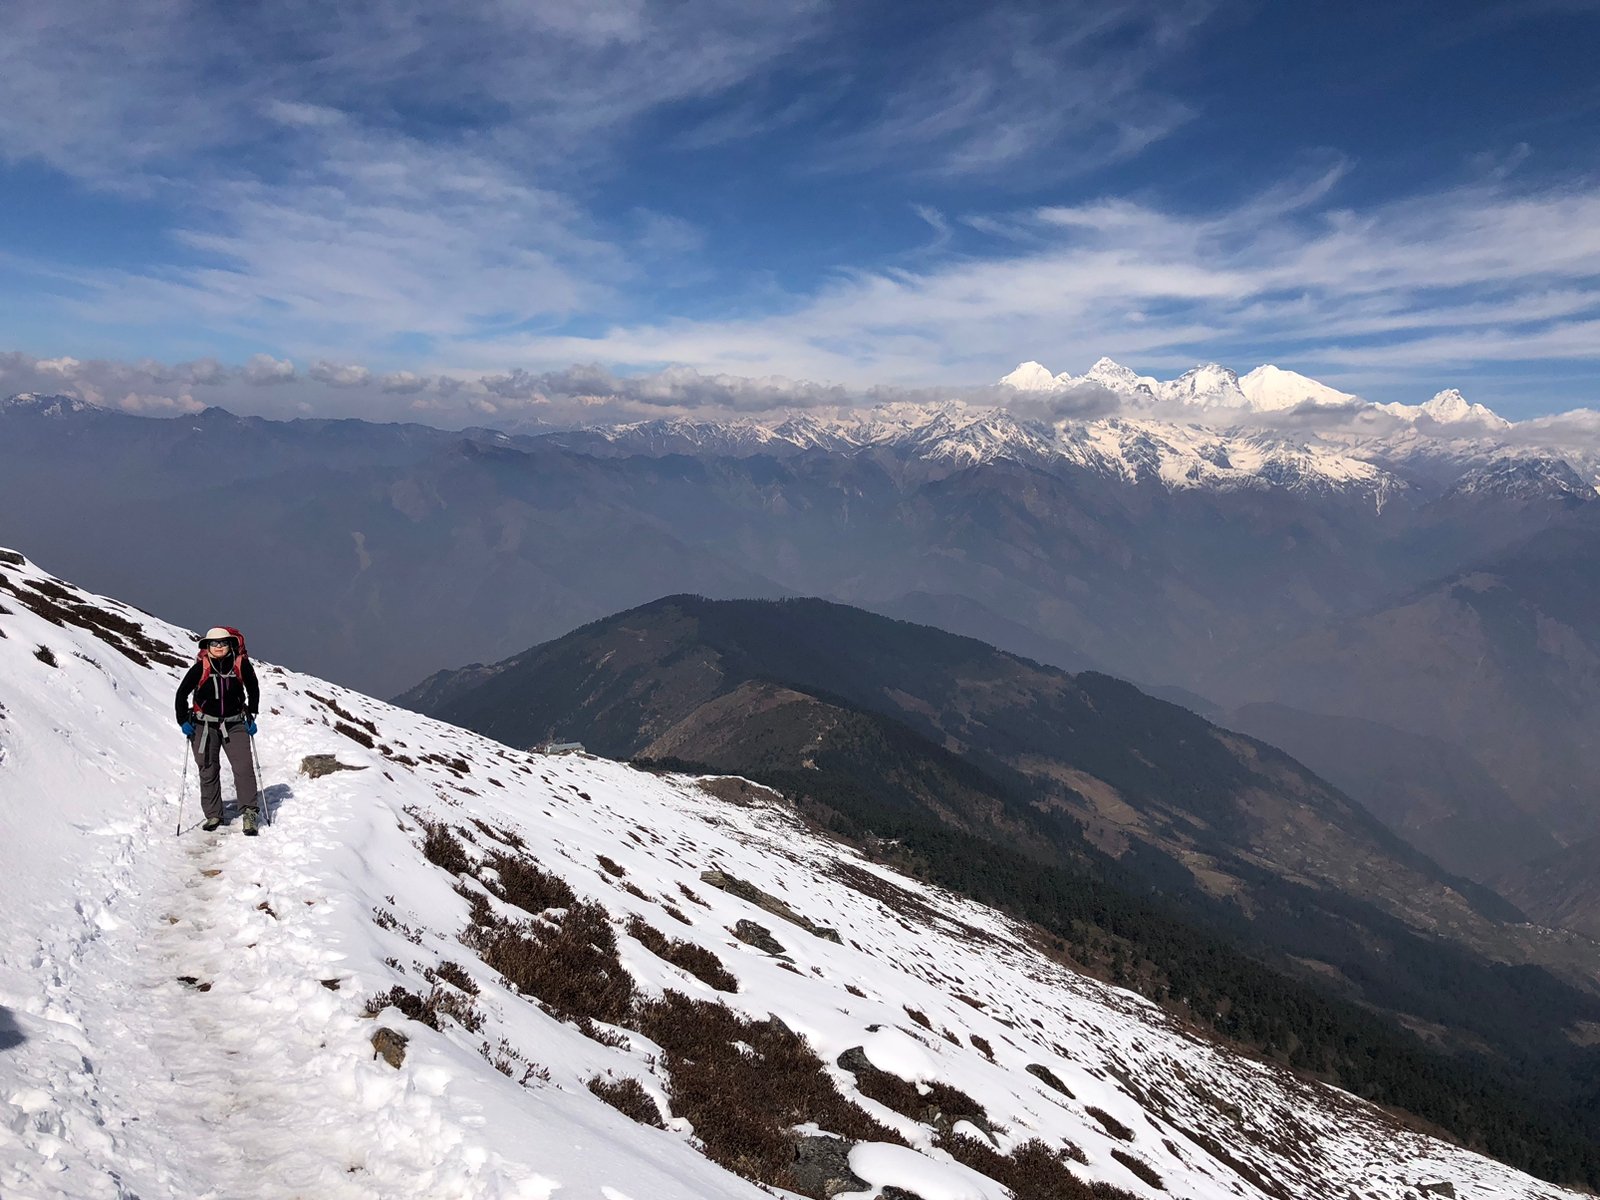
(1267,389)
(1234,541)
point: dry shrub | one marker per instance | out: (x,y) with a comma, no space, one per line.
(360,736)
(918,1017)
(453,974)
(1111,1125)
(1140,1168)
(744,1103)
(428,1009)
(443,848)
(696,960)
(527,885)
(60,607)
(339,711)
(629,1098)
(982,1043)
(1033,1171)
(572,967)
(511,1063)
(886,1088)
(610,866)
(482,913)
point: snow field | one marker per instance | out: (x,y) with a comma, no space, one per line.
(255,1078)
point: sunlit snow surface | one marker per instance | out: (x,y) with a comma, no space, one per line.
(117,1079)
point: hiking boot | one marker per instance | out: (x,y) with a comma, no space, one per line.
(210,824)
(247,821)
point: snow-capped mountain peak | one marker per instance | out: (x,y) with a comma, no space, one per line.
(1448,407)
(1115,377)
(48,405)
(1209,385)
(1034,377)
(1269,388)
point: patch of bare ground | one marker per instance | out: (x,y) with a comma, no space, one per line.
(733,790)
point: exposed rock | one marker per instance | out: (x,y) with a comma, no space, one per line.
(318,765)
(759,936)
(822,1167)
(890,1192)
(855,1060)
(768,902)
(389,1046)
(1443,1188)
(331,984)
(1044,1073)
(741,792)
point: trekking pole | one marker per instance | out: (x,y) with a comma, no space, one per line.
(184,792)
(262,803)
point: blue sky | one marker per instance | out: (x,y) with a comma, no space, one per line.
(377,207)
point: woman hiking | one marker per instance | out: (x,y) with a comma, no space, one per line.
(222,716)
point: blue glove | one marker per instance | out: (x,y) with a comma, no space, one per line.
(250,727)
(188,728)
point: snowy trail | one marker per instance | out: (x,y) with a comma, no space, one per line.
(249,1065)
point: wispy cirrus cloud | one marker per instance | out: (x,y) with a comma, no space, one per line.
(1423,285)
(413,206)
(1006,85)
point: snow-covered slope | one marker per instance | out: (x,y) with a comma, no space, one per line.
(185,1014)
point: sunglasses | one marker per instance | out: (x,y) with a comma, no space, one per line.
(210,642)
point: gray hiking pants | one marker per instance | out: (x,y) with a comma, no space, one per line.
(208,747)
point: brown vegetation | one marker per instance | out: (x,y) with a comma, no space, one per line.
(696,960)
(629,1098)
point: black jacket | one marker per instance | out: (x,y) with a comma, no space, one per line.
(222,695)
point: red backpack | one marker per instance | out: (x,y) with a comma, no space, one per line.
(205,660)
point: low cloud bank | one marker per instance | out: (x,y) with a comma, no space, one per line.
(590,394)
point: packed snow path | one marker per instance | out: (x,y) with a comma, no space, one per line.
(214,1059)
(184,1016)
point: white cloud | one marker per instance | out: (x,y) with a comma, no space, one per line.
(1039,91)
(337,375)
(1432,283)
(263,369)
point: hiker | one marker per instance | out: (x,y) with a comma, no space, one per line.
(221,717)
